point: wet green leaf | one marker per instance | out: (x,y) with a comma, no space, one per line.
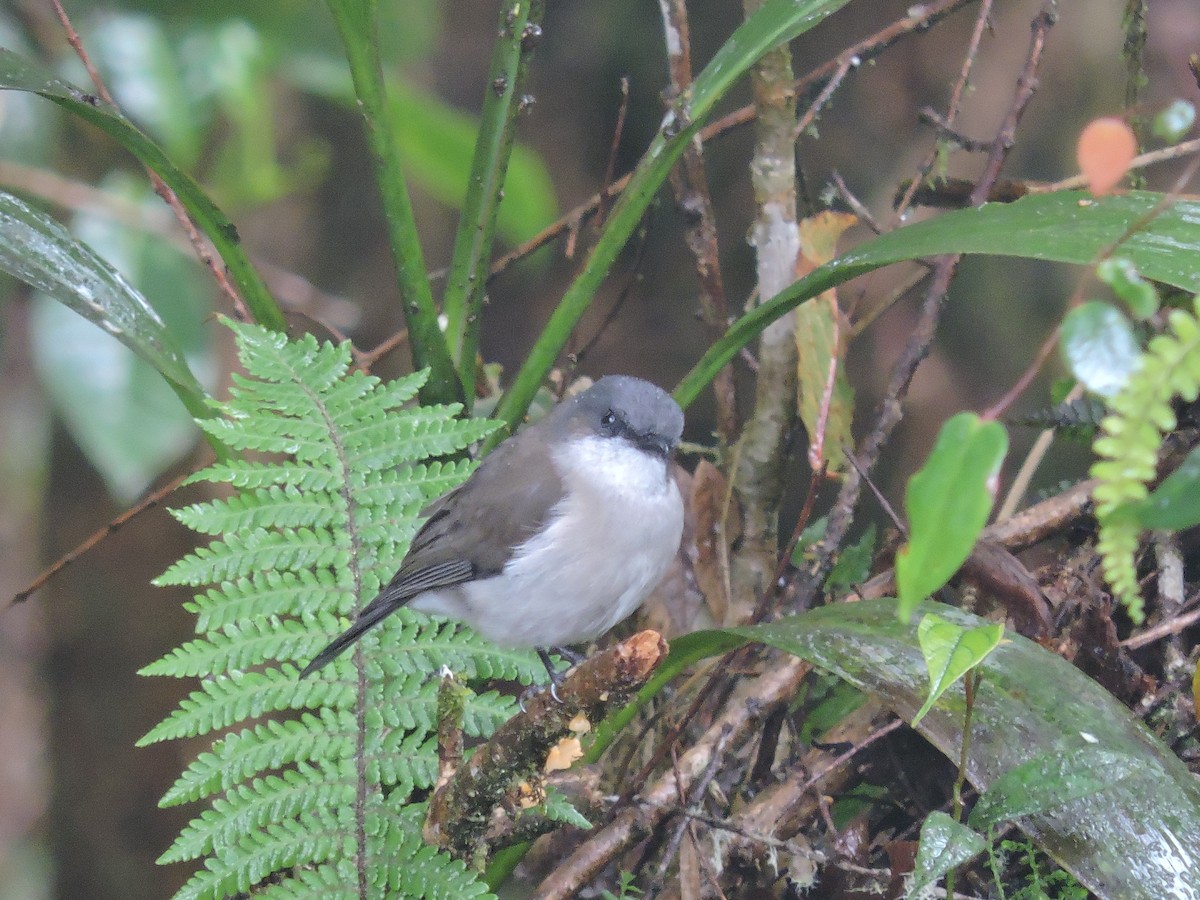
(1127,283)
(945,845)
(1174,504)
(948,502)
(950,652)
(20,74)
(1069,226)
(1138,840)
(40,252)
(1098,345)
(1049,783)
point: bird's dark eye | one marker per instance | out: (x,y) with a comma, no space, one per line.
(608,419)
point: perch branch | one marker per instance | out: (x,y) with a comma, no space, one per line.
(462,808)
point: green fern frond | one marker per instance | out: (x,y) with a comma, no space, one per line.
(311,783)
(237,647)
(272,594)
(1129,444)
(249,807)
(315,836)
(267,746)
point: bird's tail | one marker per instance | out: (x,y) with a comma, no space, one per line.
(370,617)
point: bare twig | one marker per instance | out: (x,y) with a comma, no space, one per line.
(692,805)
(689,180)
(1163,629)
(952,108)
(148,502)
(300,294)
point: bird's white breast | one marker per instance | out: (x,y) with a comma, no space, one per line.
(608,543)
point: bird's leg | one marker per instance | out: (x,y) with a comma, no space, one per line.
(574,657)
(556,676)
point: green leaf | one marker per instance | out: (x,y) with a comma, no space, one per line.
(1175,504)
(1099,347)
(1136,292)
(20,74)
(436,142)
(142,70)
(1045,784)
(950,652)
(1068,226)
(945,844)
(38,251)
(119,410)
(853,563)
(1175,121)
(948,502)
(295,555)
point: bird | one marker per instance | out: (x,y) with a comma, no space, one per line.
(558,535)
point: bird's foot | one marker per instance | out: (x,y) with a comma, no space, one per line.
(556,675)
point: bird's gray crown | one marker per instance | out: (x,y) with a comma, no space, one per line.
(621,405)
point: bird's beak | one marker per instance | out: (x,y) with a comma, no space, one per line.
(657,445)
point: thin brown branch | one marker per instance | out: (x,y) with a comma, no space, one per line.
(291,288)
(1027,85)
(921,18)
(782,809)
(160,187)
(148,502)
(689,180)
(982,19)
(614,146)
(692,804)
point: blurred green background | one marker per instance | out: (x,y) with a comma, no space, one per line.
(254,100)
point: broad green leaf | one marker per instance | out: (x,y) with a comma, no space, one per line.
(118,409)
(1174,504)
(39,251)
(1175,121)
(1136,292)
(945,845)
(1045,784)
(950,652)
(437,142)
(1069,226)
(1099,347)
(1140,840)
(247,168)
(20,74)
(142,70)
(28,127)
(948,502)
